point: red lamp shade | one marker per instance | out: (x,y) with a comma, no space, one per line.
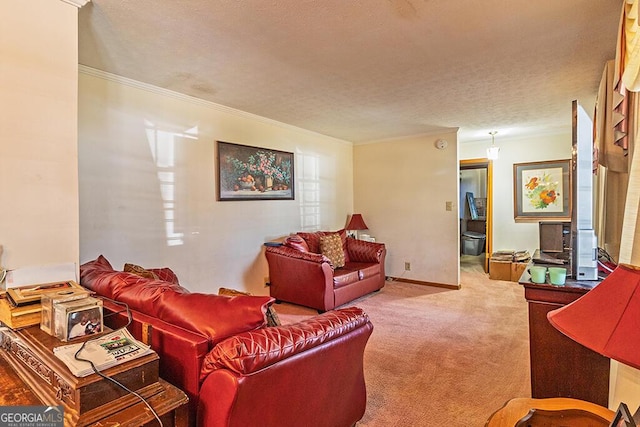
(357,223)
(607,318)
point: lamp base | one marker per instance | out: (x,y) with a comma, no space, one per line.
(624,418)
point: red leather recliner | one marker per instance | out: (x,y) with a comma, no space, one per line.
(236,370)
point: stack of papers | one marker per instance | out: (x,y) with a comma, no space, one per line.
(105,352)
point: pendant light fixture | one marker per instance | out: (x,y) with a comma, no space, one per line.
(492,152)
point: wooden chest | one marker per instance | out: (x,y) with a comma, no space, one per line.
(30,353)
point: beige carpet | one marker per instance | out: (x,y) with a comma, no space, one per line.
(442,357)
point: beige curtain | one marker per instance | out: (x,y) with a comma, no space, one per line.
(611,161)
(628,49)
(617,221)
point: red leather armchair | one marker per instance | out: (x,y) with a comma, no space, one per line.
(237,371)
(300,274)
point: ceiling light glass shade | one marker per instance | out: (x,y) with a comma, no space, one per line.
(607,318)
(492,152)
(357,223)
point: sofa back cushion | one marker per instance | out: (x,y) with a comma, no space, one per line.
(94,275)
(313,240)
(140,271)
(215,316)
(165,274)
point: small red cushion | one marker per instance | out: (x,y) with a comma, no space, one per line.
(296,242)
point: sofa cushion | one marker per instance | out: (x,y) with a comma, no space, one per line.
(92,276)
(215,316)
(343,277)
(140,271)
(297,242)
(100,262)
(143,294)
(364,269)
(272,316)
(331,247)
(165,274)
(312,240)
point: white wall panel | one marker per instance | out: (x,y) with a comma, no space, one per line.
(148,185)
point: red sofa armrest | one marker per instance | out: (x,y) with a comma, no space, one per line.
(255,350)
(296,254)
(363,251)
(181,351)
(300,277)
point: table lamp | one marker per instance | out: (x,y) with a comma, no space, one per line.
(607,320)
(356,223)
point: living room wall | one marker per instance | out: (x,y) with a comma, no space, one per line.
(507,233)
(401,188)
(147,172)
(38,82)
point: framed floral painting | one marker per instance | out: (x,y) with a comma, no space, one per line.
(542,190)
(254,173)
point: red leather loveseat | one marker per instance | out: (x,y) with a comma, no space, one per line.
(301,272)
(236,370)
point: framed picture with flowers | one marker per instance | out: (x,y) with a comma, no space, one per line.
(542,191)
(254,173)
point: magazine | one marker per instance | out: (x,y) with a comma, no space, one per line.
(106,351)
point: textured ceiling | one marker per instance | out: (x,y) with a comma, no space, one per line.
(365,70)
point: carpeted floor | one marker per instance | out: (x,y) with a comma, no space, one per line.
(441,357)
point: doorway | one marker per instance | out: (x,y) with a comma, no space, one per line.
(476,208)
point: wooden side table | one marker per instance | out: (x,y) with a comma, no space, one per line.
(31,375)
(553,412)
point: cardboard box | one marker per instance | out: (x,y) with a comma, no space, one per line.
(517,268)
(499,270)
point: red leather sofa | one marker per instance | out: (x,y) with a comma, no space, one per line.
(299,273)
(236,370)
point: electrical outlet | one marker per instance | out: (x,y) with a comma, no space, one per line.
(407,266)
(448,206)
(266,281)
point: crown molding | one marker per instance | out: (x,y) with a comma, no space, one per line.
(83,69)
(76,3)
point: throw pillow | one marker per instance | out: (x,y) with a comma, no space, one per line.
(331,247)
(165,274)
(139,271)
(313,240)
(296,242)
(272,316)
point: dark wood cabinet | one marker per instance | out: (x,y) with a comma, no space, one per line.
(560,367)
(30,374)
